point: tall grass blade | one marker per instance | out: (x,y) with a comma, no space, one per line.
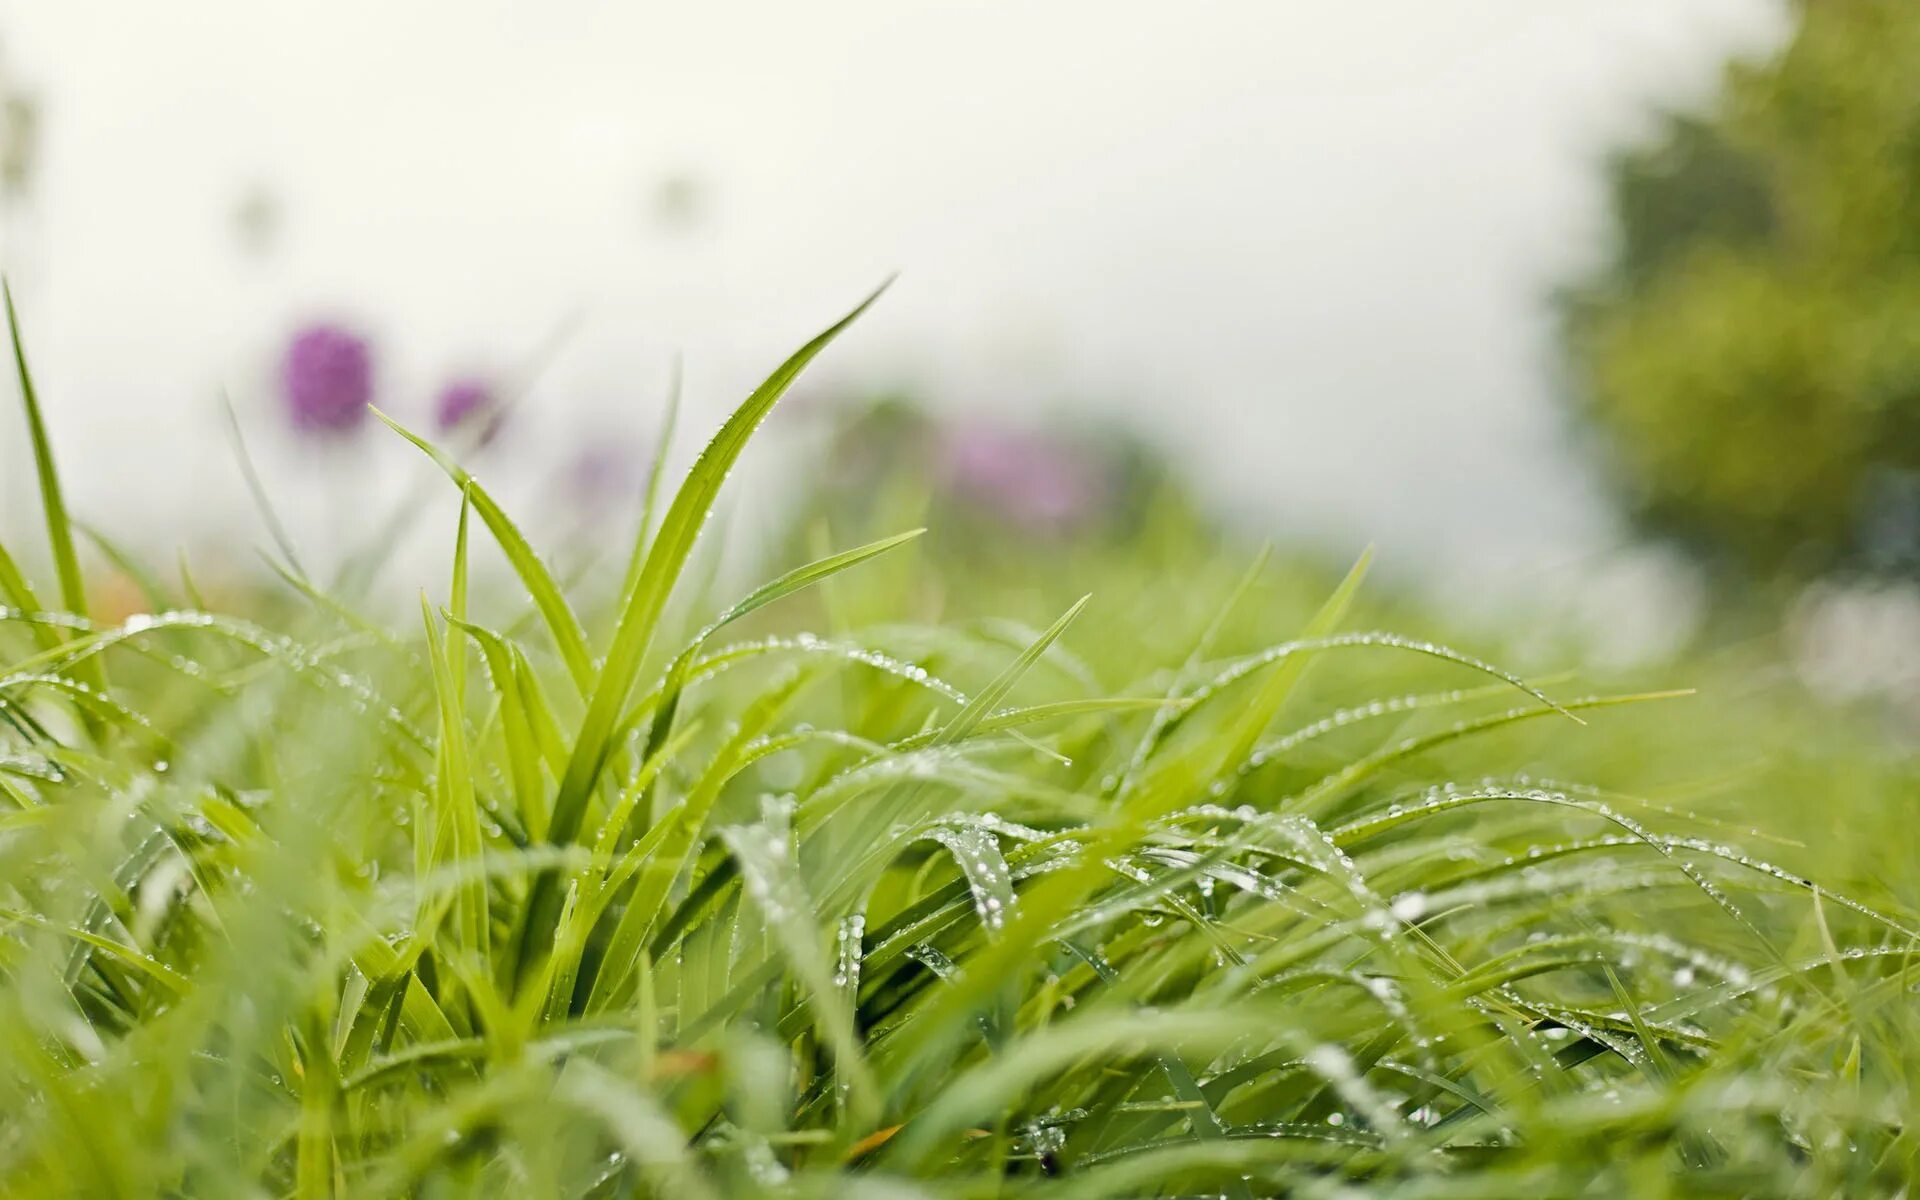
(66,563)
(569,638)
(643,607)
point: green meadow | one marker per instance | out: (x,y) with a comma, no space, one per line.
(940,863)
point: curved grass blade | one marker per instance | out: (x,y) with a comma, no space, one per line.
(772,879)
(664,854)
(16,591)
(66,563)
(898,800)
(151,967)
(656,472)
(786,585)
(665,561)
(73,594)
(1360,769)
(568,635)
(501,659)
(457,825)
(1205,1123)
(1034,714)
(1159,790)
(256,489)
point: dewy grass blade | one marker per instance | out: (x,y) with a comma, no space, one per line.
(516,724)
(66,562)
(975,713)
(662,856)
(1360,769)
(773,880)
(793,581)
(1204,1122)
(15,590)
(456,813)
(569,638)
(987,701)
(1033,714)
(1202,647)
(666,559)
(1160,790)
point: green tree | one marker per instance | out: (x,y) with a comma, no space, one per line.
(1749,357)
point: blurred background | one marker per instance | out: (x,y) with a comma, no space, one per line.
(1598,312)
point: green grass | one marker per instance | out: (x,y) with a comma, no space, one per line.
(1181,891)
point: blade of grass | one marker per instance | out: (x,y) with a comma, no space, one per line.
(15,589)
(569,638)
(1161,790)
(656,473)
(665,560)
(66,563)
(786,585)
(457,820)
(256,489)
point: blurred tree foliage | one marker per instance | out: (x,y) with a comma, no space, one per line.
(1750,356)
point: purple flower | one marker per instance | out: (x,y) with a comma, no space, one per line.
(606,472)
(465,403)
(328,376)
(1020,477)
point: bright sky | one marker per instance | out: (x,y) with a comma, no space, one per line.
(1305,244)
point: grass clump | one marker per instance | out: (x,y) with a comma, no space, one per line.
(536,901)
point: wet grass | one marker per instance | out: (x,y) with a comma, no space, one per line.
(791,896)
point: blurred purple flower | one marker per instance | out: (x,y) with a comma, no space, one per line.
(606,472)
(466,403)
(1020,477)
(328,376)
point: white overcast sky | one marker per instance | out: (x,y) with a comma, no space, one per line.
(1305,244)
